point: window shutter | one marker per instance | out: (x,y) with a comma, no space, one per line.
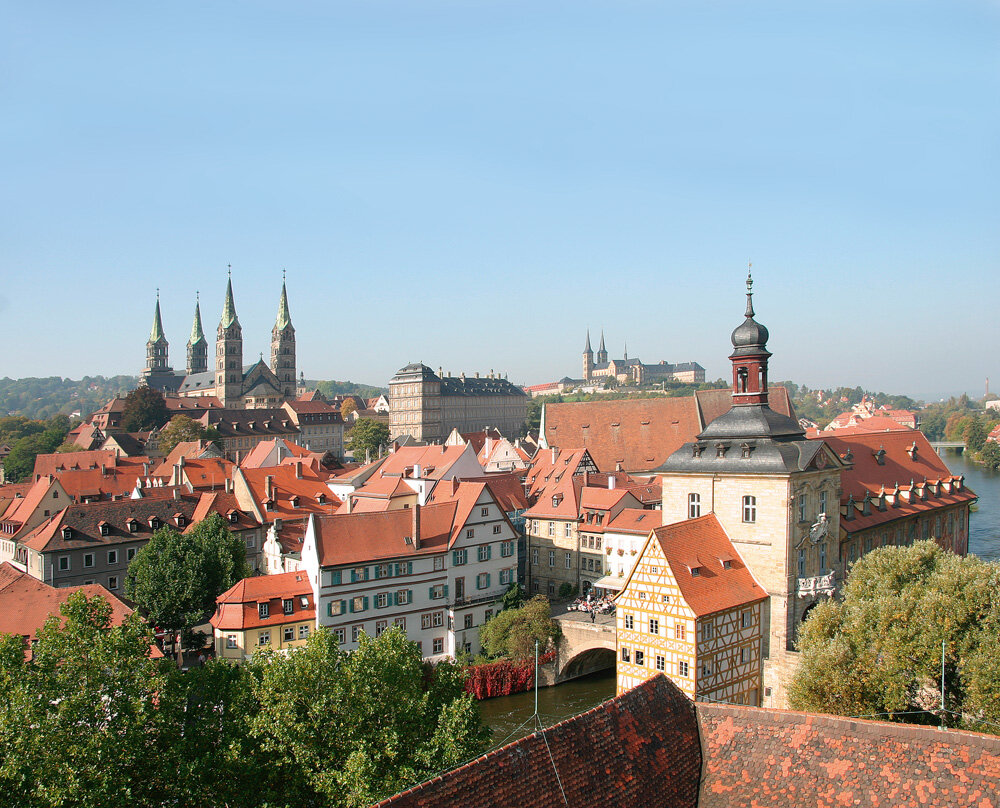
(454,557)
(489,551)
(336,576)
(430,592)
(409,596)
(354,576)
(352,605)
(366,603)
(377,576)
(329,609)
(446,590)
(409,567)
(343,607)
(488,580)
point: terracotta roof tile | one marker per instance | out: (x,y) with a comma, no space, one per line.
(238,607)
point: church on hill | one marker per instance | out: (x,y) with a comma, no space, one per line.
(598,366)
(237,386)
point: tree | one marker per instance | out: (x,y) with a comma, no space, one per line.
(879,650)
(512,632)
(347,406)
(350,729)
(366,438)
(144,409)
(990,455)
(181,428)
(176,577)
(513,598)
(19,464)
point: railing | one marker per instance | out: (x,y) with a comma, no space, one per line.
(476,601)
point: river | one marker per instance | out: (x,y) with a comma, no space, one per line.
(506,715)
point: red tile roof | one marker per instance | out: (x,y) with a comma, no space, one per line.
(757,757)
(703,544)
(312,493)
(352,538)
(434,461)
(546,470)
(638,521)
(237,608)
(188,449)
(639,749)
(558,501)
(266,450)
(507,488)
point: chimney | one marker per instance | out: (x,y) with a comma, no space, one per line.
(477,374)
(489,445)
(145,469)
(586,478)
(416,526)
(454,486)
(611,482)
(177,493)
(416,471)
(555,454)
(269,486)
(298,469)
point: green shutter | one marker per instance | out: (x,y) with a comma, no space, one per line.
(488,576)
(343,607)
(430,592)
(336,576)
(354,576)
(377,576)
(446,590)
(454,558)
(409,596)
(329,609)
(489,551)
(365,607)
(352,605)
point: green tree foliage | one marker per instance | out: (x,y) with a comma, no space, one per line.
(990,455)
(176,577)
(512,632)
(513,598)
(39,437)
(367,437)
(181,428)
(333,388)
(350,729)
(879,650)
(144,409)
(91,720)
(45,397)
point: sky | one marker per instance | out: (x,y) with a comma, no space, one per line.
(474,184)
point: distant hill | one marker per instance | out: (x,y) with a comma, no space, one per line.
(42,398)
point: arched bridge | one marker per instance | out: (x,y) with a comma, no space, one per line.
(585,646)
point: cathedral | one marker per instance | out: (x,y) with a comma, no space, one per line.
(236,385)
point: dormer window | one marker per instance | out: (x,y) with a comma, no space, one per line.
(179,519)
(132,525)
(67,533)
(746,449)
(697,449)
(234,516)
(295,502)
(880,456)
(321,499)
(720,449)
(104,528)
(154,522)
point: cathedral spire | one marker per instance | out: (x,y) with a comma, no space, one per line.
(284,318)
(157,333)
(602,349)
(197,333)
(229,309)
(586,348)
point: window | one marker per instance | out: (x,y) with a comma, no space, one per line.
(251,542)
(437,619)
(264,638)
(402,597)
(629,622)
(661,663)
(381,600)
(113,583)
(552,528)
(569,561)
(706,668)
(626,654)
(749,509)
(112,557)
(355,633)
(359,574)
(822,501)
(380,626)
(483,580)
(263,610)
(682,668)
(400,622)
(288,605)
(484,512)
(694,506)
(470,533)
(230,641)
(460,557)
(383,571)
(744,655)
(334,608)
(497,528)
(506,577)
(130,554)
(438,647)
(63,563)
(745,619)
(506,549)
(680,631)
(534,557)
(468,621)
(358,604)
(639,658)
(665,598)
(425,620)
(88,559)
(568,530)
(438,563)
(437,591)
(802,563)
(485,552)
(822,558)
(706,631)
(341,635)
(288,634)
(654,626)
(802,508)
(552,558)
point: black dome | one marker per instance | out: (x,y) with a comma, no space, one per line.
(750,333)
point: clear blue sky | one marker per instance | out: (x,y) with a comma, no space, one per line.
(472,184)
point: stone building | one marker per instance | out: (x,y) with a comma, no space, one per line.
(599,367)
(427,406)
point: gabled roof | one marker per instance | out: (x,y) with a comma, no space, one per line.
(558,501)
(601,499)
(434,461)
(702,544)
(507,488)
(313,494)
(20,510)
(355,538)
(227,506)
(637,521)
(546,470)
(272,452)
(238,609)
(189,450)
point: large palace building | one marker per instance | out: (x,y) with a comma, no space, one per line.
(236,385)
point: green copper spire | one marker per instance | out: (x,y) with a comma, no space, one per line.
(156,335)
(284,318)
(229,310)
(197,334)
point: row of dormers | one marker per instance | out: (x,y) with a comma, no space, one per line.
(900,495)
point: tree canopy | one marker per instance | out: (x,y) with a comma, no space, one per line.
(176,577)
(30,439)
(144,409)
(879,650)
(366,438)
(512,632)
(347,406)
(91,720)
(181,428)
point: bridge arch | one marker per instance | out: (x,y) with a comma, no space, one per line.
(588,661)
(584,647)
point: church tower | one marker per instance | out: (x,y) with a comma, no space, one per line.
(157,362)
(197,347)
(602,352)
(588,359)
(229,354)
(283,346)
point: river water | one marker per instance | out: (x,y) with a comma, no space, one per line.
(507,715)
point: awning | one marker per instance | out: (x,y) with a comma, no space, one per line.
(609,582)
